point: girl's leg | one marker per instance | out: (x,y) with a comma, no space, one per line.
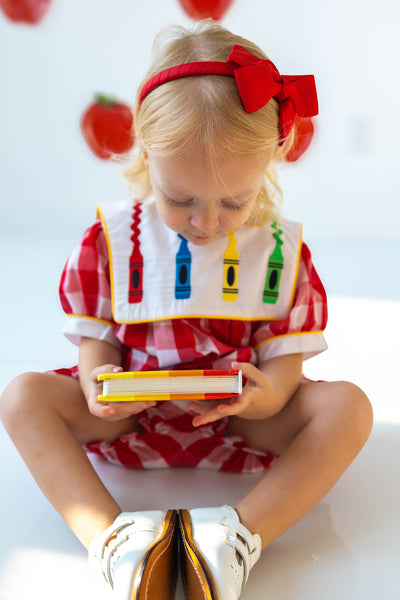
(47,418)
(317,435)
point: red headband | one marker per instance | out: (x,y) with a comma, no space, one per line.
(258,80)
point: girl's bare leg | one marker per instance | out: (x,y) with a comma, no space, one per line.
(317,435)
(47,418)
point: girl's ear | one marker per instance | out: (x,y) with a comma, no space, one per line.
(146,159)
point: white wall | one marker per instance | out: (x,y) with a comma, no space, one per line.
(347,185)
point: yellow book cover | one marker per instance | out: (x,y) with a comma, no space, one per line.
(150,386)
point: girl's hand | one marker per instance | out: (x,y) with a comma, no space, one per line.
(111,411)
(257,401)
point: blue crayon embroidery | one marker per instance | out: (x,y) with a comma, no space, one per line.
(183,261)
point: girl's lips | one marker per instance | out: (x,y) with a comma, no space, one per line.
(203,237)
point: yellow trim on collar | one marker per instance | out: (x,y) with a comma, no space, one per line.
(297,266)
(99,213)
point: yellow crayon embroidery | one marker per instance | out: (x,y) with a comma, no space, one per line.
(230,288)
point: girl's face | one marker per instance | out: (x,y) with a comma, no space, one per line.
(200,205)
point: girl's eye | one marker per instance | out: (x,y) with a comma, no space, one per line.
(181,204)
(190,201)
(234,206)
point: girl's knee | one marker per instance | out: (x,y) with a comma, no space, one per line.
(21,394)
(347,404)
(359,407)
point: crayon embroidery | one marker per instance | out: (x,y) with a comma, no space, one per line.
(135,293)
(183,261)
(230,288)
(275,266)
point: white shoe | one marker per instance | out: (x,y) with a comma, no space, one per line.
(217,553)
(137,555)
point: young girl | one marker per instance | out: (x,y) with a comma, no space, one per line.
(199,271)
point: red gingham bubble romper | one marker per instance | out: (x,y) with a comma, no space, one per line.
(163,322)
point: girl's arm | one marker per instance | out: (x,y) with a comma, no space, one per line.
(95,357)
(269,387)
(92,354)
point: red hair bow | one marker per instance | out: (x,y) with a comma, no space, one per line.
(258,80)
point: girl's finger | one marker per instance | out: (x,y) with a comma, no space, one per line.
(119,410)
(232,408)
(201,407)
(219,412)
(208,417)
(250,372)
(105,369)
(103,411)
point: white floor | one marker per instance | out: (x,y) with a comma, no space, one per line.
(346,548)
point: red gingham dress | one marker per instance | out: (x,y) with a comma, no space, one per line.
(166,436)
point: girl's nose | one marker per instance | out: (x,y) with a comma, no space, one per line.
(205,219)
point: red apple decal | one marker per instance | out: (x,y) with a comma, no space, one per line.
(303,135)
(25,11)
(106,125)
(202,9)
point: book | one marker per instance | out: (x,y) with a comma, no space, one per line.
(142,386)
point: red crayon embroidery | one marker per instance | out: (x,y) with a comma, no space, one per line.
(135,293)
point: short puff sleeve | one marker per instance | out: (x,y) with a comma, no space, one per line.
(302,330)
(85,290)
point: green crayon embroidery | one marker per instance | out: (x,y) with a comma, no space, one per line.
(231,269)
(275,266)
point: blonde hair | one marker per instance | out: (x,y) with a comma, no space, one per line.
(203,112)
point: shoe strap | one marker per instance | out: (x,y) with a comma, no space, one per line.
(104,547)
(249,549)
